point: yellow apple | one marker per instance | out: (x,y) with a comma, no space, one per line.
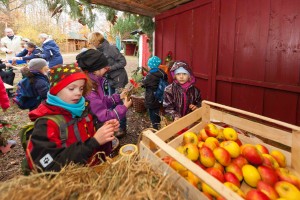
(203,134)
(262,149)
(232,147)
(235,189)
(285,175)
(222,156)
(251,175)
(207,189)
(270,161)
(207,157)
(191,151)
(180,149)
(221,135)
(193,179)
(287,190)
(219,166)
(279,157)
(211,143)
(190,137)
(230,134)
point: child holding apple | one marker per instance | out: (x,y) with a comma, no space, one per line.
(181,97)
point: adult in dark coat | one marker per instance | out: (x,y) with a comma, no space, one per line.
(30,52)
(51,52)
(117,75)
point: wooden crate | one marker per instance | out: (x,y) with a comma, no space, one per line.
(153,146)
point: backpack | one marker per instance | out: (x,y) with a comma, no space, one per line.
(26,97)
(159,93)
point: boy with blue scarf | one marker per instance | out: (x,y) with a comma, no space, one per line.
(48,150)
(150,83)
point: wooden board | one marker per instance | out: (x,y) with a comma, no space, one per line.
(264,127)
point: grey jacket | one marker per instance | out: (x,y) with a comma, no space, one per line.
(117,76)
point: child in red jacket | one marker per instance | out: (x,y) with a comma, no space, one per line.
(4,101)
(47,149)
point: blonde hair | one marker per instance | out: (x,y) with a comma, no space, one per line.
(95,39)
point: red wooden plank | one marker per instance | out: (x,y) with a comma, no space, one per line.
(298,111)
(247,98)
(223,93)
(169,36)
(251,39)
(284,43)
(202,85)
(158,38)
(281,105)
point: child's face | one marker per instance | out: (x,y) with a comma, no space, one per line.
(45,70)
(73,92)
(182,78)
(101,72)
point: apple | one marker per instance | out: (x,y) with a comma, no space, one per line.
(180,149)
(279,157)
(216,173)
(168,159)
(235,189)
(270,161)
(230,177)
(252,155)
(287,190)
(203,134)
(285,175)
(232,147)
(240,161)
(239,142)
(251,175)
(207,157)
(267,174)
(220,136)
(177,166)
(262,149)
(267,190)
(219,166)
(230,134)
(211,143)
(193,179)
(222,156)
(208,196)
(234,168)
(207,189)
(191,151)
(197,162)
(211,130)
(256,195)
(190,137)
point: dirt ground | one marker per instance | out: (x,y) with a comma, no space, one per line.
(10,163)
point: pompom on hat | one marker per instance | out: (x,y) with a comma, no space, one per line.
(154,62)
(91,60)
(61,76)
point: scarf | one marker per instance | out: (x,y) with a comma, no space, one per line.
(153,70)
(75,109)
(11,37)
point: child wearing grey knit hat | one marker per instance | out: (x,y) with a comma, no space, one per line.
(38,65)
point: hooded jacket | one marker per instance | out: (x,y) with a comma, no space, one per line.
(4,101)
(101,105)
(117,75)
(176,98)
(46,144)
(150,83)
(26,56)
(51,53)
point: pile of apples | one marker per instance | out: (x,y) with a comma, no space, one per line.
(221,154)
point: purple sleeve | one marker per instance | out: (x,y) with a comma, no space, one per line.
(102,107)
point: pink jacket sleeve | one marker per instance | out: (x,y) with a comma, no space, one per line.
(4,101)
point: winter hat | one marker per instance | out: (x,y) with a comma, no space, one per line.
(181,70)
(91,60)
(36,64)
(61,76)
(154,62)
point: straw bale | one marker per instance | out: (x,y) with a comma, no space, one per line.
(121,178)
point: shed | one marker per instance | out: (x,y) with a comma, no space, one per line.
(130,47)
(244,54)
(75,42)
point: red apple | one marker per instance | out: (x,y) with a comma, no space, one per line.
(230,177)
(197,162)
(267,174)
(252,155)
(216,173)
(207,157)
(267,190)
(222,156)
(285,175)
(234,168)
(256,195)
(219,166)
(239,142)
(279,157)
(270,161)
(240,161)
(211,130)
(203,134)
(262,149)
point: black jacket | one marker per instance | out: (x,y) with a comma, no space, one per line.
(150,83)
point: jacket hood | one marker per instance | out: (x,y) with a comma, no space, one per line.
(183,64)
(46,109)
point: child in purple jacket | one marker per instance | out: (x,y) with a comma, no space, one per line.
(95,65)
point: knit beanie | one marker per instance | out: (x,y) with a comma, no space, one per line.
(36,64)
(181,70)
(91,60)
(61,76)
(154,62)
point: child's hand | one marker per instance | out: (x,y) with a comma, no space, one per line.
(192,107)
(114,122)
(127,102)
(123,94)
(105,133)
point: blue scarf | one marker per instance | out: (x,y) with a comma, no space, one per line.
(75,109)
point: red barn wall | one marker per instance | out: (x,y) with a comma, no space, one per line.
(244,54)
